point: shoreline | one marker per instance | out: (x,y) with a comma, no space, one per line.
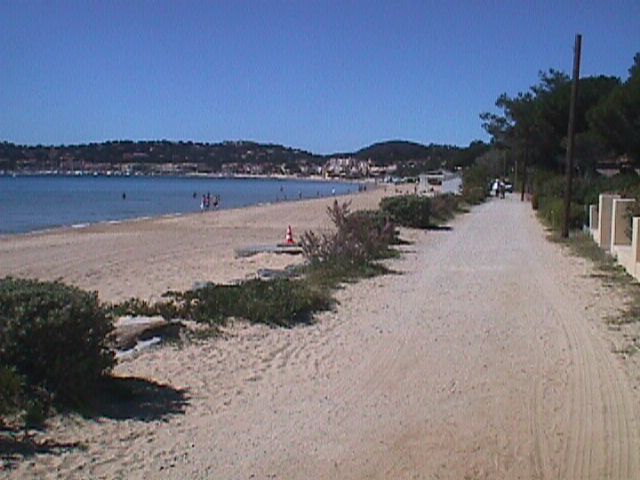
(145,258)
(80,224)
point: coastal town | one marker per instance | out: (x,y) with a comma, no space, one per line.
(238,158)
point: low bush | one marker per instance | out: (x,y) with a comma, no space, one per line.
(551,210)
(359,239)
(408,210)
(474,184)
(54,337)
(10,391)
(474,195)
(444,207)
(281,302)
(135,306)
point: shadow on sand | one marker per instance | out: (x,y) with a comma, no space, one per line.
(16,447)
(130,398)
(117,398)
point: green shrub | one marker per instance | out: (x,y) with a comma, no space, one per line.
(551,210)
(444,207)
(54,336)
(10,390)
(281,301)
(474,195)
(474,184)
(548,184)
(138,307)
(408,210)
(359,239)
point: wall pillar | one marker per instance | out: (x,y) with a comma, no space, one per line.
(620,222)
(593,222)
(605,210)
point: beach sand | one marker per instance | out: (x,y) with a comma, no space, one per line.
(146,258)
(484,356)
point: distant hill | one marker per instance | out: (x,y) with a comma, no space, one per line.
(414,157)
(212,155)
(189,156)
(394,151)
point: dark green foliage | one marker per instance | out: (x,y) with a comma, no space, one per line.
(617,117)
(548,200)
(548,195)
(145,153)
(54,336)
(282,302)
(533,124)
(410,158)
(474,184)
(444,207)
(10,390)
(135,306)
(551,210)
(408,210)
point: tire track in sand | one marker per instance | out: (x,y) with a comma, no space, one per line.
(597,417)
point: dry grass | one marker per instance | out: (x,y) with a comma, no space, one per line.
(609,272)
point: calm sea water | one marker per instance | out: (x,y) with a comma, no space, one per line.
(30,203)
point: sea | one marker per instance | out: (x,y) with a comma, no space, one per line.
(39,202)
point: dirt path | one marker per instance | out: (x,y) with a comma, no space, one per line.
(486,358)
(479,362)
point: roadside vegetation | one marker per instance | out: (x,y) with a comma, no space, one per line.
(53,347)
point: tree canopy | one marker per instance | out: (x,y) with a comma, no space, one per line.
(533,124)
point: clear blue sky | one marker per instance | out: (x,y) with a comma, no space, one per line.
(325,76)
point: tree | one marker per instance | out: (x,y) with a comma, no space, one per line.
(617,118)
(534,124)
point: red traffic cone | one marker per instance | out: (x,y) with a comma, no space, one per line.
(289,238)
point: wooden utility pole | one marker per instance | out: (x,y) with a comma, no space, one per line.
(571,137)
(524,167)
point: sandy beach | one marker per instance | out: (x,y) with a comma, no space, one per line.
(146,258)
(485,356)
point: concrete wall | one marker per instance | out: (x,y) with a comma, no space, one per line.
(633,268)
(593,217)
(609,225)
(605,213)
(592,228)
(620,222)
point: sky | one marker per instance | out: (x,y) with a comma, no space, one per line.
(323,76)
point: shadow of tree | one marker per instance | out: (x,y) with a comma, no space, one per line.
(117,398)
(16,447)
(126,398)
